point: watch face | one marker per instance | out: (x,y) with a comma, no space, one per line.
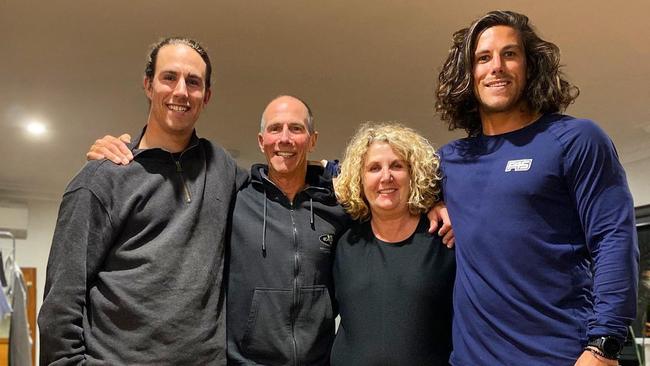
(611,346)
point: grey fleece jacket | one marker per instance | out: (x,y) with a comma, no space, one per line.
(136,264)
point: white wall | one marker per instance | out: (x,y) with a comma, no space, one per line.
(637,177)
(33,251)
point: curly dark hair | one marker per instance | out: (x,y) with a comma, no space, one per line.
(150,66)
(546,90)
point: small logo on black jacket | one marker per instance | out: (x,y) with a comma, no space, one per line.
(326,242)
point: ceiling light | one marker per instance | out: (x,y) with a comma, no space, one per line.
(36,128)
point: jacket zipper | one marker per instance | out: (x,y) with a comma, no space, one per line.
(179,169)
(296,270)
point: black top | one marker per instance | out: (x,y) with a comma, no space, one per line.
(394,299)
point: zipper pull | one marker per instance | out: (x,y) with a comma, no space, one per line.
(179,169)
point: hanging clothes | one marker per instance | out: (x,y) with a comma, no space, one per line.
(3,279)
(5,308)
(20,343)
(6,297)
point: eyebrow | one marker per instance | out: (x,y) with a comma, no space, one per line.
(507,47)
(195,76)
(398,160)
(174,72)
(283,122)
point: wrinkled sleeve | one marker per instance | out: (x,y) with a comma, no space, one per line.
(81,239)
(606,210)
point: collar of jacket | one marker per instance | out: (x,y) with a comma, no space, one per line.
(318,187)
(156,151)
(318,183)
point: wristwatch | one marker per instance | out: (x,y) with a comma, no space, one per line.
(609,346)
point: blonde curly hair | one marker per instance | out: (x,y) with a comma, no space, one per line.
(417,152)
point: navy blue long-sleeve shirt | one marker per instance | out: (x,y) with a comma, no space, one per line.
(546,245)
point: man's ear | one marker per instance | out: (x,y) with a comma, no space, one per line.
(206,97)
(260,142)
(313,138)
(146,85)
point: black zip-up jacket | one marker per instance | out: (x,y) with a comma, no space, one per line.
(136,264)
(280,288)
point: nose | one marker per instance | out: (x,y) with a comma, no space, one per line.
(386,175)
(285,135)
(180,89)
(496,63)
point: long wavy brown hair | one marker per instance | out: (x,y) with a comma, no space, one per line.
(547,89)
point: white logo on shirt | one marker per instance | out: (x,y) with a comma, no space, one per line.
(520,165)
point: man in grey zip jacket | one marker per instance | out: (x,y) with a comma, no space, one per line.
(285,224)
(135,270)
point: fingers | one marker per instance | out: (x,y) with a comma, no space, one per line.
(448,237)
(434,217)
(111,148)
(451,242)
(126,138)
(445,228)
(446,233)
(90,155)
(433,225)
(439,213)
(102,152)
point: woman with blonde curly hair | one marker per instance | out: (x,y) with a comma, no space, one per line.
(393,279)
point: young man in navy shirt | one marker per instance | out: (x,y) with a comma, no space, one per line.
(544,220)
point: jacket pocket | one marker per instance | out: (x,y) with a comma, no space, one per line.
(314,327)
(267,338)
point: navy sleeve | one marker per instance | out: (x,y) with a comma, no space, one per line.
(333,167)
(81,239)
(604,204)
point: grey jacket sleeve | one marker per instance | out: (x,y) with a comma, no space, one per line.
(242,177)
(82,237)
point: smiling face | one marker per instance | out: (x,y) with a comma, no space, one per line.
(386,180)
(499,71)
(177,91)
(285,139)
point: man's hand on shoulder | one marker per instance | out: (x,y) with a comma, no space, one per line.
(439,213)
(111,148)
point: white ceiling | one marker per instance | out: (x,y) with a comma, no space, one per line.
(78,65)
